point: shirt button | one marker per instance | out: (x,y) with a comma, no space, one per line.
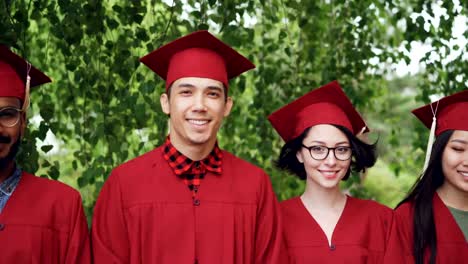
(197,164)
(196,202)
(332,247)
(2,226)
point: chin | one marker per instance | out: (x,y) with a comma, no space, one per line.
(199,140)
(330,185)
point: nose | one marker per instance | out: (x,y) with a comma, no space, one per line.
(199,103)
(330,160)
(465,159)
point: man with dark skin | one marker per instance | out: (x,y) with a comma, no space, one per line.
(41,220)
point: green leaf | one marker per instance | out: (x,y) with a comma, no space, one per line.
(420,21)
(282,35)
(112,23)
(54,173)
(46,148)
(142,35)
(82,182)
(137,18)
(203,26)
(212,3)
(117,8)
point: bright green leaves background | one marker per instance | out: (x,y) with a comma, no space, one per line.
(103,105)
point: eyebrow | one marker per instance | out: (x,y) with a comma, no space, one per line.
(217,88)
(189,85)
(336,144)
(459,141)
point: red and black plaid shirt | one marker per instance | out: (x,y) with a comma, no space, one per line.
(192,171)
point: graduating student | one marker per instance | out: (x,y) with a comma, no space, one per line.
(431,223)
(189,201)
(324,225)
(41,220)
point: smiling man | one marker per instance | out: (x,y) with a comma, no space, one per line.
(188,201)
(41,221)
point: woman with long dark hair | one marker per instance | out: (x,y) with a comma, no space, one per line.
(324,225)
(431,223)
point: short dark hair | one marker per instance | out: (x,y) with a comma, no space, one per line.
(421,195)
(364,155)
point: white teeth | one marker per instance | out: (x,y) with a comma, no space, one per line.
(328,172)
(198,122)
(464,173)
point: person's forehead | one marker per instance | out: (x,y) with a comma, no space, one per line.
(198,82)
(325,133)
(9,101)
(461,135)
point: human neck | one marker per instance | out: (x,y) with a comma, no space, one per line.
(453,197)
(320,197)
(6,171)
(194,151)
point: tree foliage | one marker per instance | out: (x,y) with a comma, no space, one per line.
(103,106)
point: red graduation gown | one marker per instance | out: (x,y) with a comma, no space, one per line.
(359,237)
(451,244)
(145,214)
(43,222)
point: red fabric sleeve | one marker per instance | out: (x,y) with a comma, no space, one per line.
(400,242)
(78,247)
(269,243)
(109,239)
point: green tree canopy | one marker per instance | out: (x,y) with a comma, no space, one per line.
(103,106)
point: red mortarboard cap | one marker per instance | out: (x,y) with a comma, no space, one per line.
(198,54)
(325,105)
(13,72)
(451,113)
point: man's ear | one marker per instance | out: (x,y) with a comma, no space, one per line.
(228,107)
(164,100)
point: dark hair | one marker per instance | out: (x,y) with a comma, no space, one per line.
(364,155)
(421,195)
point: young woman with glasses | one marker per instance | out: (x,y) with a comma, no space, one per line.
(324,224)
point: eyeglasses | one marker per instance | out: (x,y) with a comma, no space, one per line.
(9,116)
(321,152)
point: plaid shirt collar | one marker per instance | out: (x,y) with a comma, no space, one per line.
(181,164)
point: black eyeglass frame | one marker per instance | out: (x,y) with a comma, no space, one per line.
(309,148)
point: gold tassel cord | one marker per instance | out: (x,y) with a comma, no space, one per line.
(26,92)
(430,142)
